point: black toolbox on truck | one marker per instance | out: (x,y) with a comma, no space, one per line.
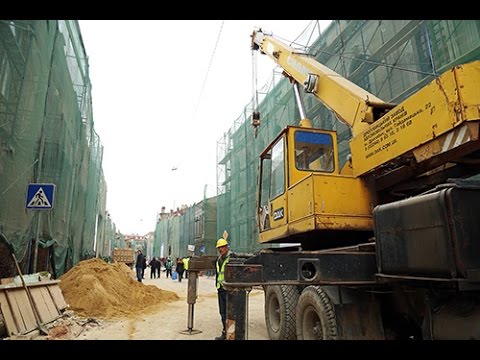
(433,235)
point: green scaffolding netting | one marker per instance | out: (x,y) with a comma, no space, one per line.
(194,226)
(47,136)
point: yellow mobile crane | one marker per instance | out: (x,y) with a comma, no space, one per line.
(389,245)
(390,144)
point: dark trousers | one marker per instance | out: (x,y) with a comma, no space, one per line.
(180,275)
(222,306)
(139,273)
(169,271)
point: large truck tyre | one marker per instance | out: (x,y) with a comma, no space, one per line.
(315,315)
(280,309)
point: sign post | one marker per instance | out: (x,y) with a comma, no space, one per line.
(39,197)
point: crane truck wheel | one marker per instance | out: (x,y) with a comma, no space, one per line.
(315,315)
(280,305)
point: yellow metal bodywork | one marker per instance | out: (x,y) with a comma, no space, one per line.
(318,200)
(279,204)
(427,124)
(323,202)
(352,104)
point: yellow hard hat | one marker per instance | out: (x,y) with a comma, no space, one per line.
(221,242)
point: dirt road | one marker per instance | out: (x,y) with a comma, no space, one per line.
(167,322)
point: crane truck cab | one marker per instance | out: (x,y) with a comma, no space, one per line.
(302,192)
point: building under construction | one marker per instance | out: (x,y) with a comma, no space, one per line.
(190,230)
(47,136)
(390,58)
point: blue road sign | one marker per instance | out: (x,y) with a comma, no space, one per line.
(40,196)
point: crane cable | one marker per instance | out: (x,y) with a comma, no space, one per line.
(254,81)
(255,112)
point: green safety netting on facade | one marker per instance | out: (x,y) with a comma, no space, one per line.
(47,136)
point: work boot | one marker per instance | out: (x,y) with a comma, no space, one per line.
(221,337)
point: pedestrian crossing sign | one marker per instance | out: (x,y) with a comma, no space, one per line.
(40,196)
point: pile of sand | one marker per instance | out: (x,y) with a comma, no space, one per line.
(94,288)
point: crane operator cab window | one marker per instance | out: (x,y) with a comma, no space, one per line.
(313,151)
(272,180)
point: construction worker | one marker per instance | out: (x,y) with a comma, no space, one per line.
(221,263)
(168,266)
(139,265)
(185,265)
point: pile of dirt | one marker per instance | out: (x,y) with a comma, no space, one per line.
(97,289)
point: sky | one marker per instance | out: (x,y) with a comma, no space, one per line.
(164,93)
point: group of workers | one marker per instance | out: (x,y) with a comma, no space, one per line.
(181,266)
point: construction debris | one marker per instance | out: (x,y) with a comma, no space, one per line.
(68,327)
(20,314)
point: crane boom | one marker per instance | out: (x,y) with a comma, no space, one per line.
(353,105)
(395,142)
